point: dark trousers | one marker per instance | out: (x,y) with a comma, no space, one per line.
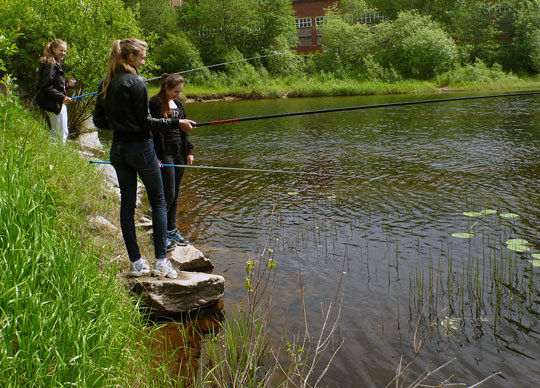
(172,180)
(130,159)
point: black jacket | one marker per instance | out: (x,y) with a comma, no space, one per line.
(51,87)
(159,142)
(125,110)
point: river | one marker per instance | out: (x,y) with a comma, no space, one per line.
(382,237)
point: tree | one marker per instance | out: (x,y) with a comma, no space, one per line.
(218,26)
(178,54)
(414,45)
(521,46)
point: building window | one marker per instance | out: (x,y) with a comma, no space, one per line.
(319,20)
(370,18)
(303,22)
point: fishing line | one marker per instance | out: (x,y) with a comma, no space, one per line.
(250,170)
(235,120)
(189,71)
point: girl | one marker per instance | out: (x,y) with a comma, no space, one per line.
(122,105)
(172,147)
(52,88)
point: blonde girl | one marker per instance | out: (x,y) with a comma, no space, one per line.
(122,106)
(52,96)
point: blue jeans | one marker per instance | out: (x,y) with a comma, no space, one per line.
(172,180)
(128,159)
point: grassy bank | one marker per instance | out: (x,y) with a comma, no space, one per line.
(65,318)
(476,77)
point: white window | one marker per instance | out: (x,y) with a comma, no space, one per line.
(303,22)
(319,20)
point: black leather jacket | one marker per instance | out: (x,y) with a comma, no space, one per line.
(51,87)
(125,110)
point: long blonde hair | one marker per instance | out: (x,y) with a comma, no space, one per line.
(48,54)
(167,81)
(118,60)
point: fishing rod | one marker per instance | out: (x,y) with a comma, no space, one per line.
(189,71)
(309,112)
(247,170)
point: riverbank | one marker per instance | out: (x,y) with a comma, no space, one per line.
(468,79)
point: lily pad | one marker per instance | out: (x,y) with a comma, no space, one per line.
(509,215)
(472,214)
(517,241)
(518,248)
(331,197)
(487,212)
(535,263)
(293,193)
(463,235)
(484,212)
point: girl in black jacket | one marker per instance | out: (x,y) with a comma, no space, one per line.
(52,88)
(122,106)
(172,147)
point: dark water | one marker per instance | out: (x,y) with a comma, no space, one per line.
(385,234)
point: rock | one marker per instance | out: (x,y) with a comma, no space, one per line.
(102,222)
(189,258)
(89,140)
(144,222)
(174,296)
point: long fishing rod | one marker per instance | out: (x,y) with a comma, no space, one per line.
(248,170)
(309,112)
(189,71)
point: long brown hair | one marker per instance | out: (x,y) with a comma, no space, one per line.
(118,60)
(167,81)
(48,54)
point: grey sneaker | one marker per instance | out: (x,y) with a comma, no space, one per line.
(171,244)
(139,268)
(175,235)
(164,268)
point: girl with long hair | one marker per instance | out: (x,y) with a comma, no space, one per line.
(122,106)
(172,147)
(52,96)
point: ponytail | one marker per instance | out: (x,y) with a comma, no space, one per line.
(118,60)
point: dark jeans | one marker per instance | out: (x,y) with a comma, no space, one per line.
(128,159)
(172,180)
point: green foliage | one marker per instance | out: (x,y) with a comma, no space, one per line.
(177,54)
(216,26)
(521,50)
(476,28)
(156,17)
(7,48)
(414,46)
(473,73)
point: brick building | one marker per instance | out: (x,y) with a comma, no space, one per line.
(309,16)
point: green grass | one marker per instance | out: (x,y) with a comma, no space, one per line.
(62,322)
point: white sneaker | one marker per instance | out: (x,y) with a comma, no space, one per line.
(164,268)
(139,268)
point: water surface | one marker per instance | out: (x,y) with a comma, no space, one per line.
(385,233)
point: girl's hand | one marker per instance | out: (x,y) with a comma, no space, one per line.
(72,82)
(186,125)
(66,100)
(190,159)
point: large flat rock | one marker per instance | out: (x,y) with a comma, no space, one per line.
(188,291)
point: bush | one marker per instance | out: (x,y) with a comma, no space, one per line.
(177,54)
(414,46)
